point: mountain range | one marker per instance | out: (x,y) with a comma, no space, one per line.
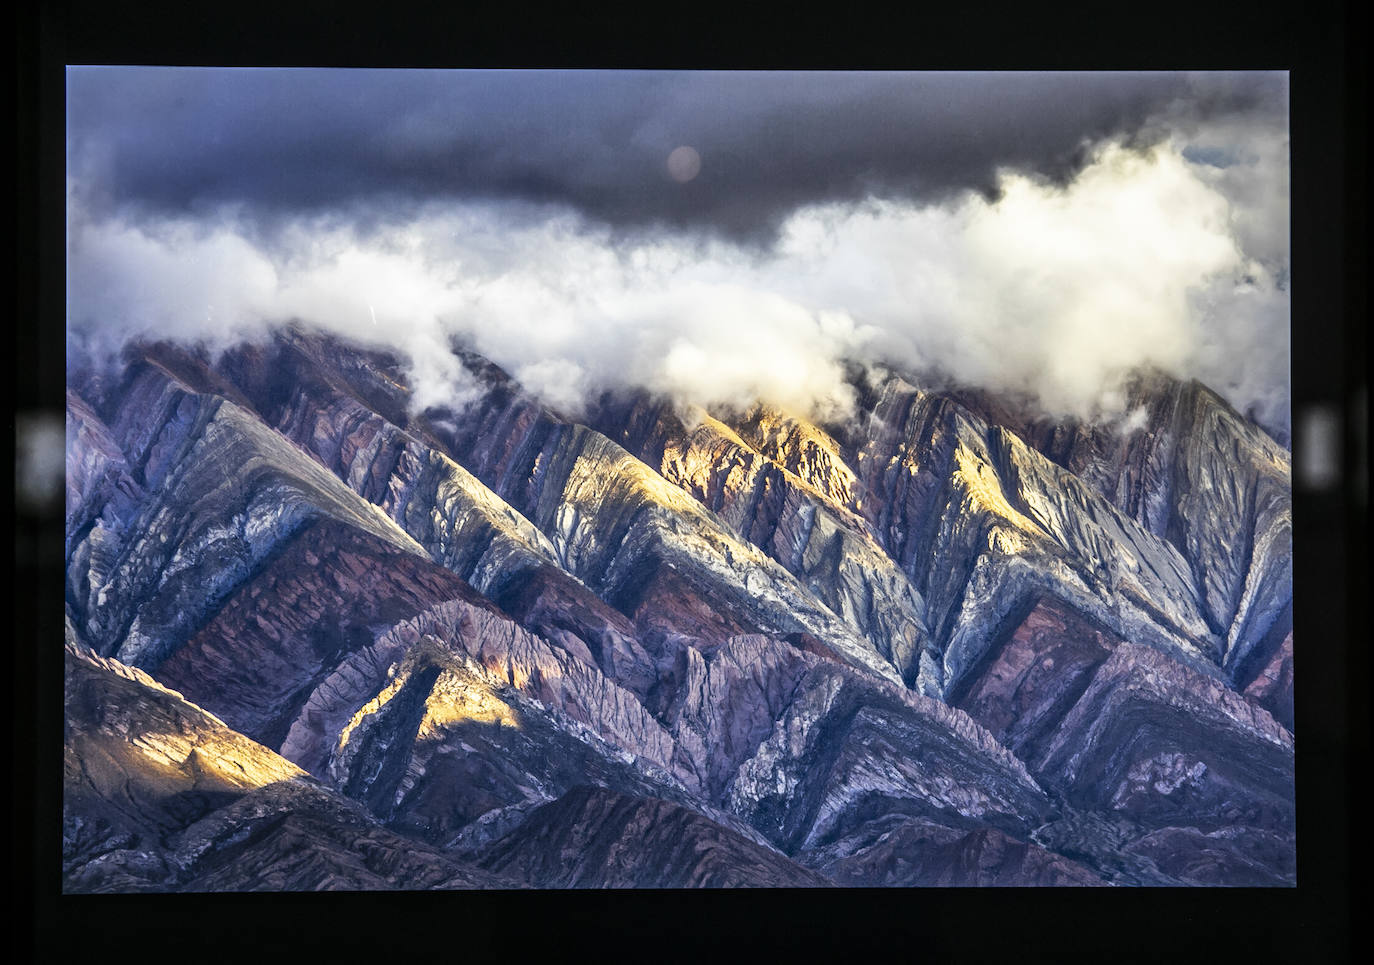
(317,639)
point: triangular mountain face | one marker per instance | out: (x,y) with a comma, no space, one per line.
(316,640)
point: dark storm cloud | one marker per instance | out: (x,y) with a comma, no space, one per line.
(1050,232)
(280,144)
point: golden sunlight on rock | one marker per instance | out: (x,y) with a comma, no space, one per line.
(154,738)
(1002,539)
(605,475)
(373,706)
(984,490)
(804,450)
(231,761)
(459,696)
(462,691)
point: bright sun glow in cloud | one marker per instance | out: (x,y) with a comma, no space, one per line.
(1054,292)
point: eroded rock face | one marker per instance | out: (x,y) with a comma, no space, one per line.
(1159,741)
(945,643)
(916,852)
(1237,857)
(101,492)
(726,702)
(222,491)
(323,596)
(1272,687)
(1027,686)
(790,495)
(159,795)
(846,751)
(1213,484)
(595,838)
(458,712)
(985,525)
(1155,741)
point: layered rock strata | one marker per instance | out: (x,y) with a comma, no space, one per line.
(942,643)
(159,795)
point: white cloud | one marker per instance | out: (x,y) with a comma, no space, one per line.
(172,281)
(1057,293)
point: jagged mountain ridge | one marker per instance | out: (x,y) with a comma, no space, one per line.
(839,643)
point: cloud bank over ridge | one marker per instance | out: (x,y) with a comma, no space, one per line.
(932,221)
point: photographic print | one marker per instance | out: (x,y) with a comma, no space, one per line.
(547,479)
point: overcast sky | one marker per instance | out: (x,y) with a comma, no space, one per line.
(719,236)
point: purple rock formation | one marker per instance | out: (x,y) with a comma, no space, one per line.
(946,643)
